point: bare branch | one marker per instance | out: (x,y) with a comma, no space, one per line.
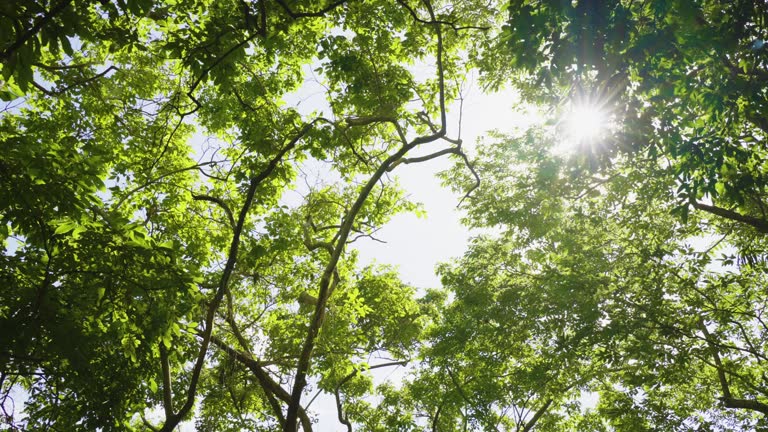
(476,185)
(406,161)
(433,21)
(64,67)
(160,177)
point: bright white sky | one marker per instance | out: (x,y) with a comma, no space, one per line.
(416,245)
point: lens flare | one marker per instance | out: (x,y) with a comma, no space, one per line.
(583,126)
(585,123)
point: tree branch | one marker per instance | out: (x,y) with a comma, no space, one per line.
(167,390)
(221,204)
(327,279)
(452,25)
(208,69)
(532,422)
(24,37)
(171,423)
(149,425)
(436,418)
(759,224)
(269,386)
(315,14)
(343,419)
(152,181)
(406,161)
(728,400)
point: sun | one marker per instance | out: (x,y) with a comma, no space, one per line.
(583,124)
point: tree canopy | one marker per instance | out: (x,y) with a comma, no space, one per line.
(156,270)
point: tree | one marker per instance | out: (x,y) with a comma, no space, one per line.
(154,263)
(150,257)
(589,242)
(591,286)
(684,79)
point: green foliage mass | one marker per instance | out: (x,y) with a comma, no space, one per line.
(167,258)
(620,286)
(155,269)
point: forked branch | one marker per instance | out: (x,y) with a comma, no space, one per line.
(221,290)
(728,400)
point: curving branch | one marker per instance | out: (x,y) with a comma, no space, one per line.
(147,423)
(540,412)
(475,185)
(452,25)
(368,120)
(311,244)
(221,204)
(327,280)
(757,223)
(79,83)
(458,387)
(728,400)
(154,180)
(436,418)
(271,388)
(343,419)
(207,70)
(406,161)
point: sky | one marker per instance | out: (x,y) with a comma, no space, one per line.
(415,244)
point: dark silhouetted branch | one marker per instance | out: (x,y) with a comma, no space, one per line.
(532,422)
(221,204)
(759,224)
(27,35)
(229,267)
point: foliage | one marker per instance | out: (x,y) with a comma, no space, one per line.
(156,268)
(640,255)
(601,294)
(151,257)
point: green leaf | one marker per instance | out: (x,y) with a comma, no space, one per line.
(65,227)
(152,385)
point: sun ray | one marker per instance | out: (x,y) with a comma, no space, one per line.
(585,124)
